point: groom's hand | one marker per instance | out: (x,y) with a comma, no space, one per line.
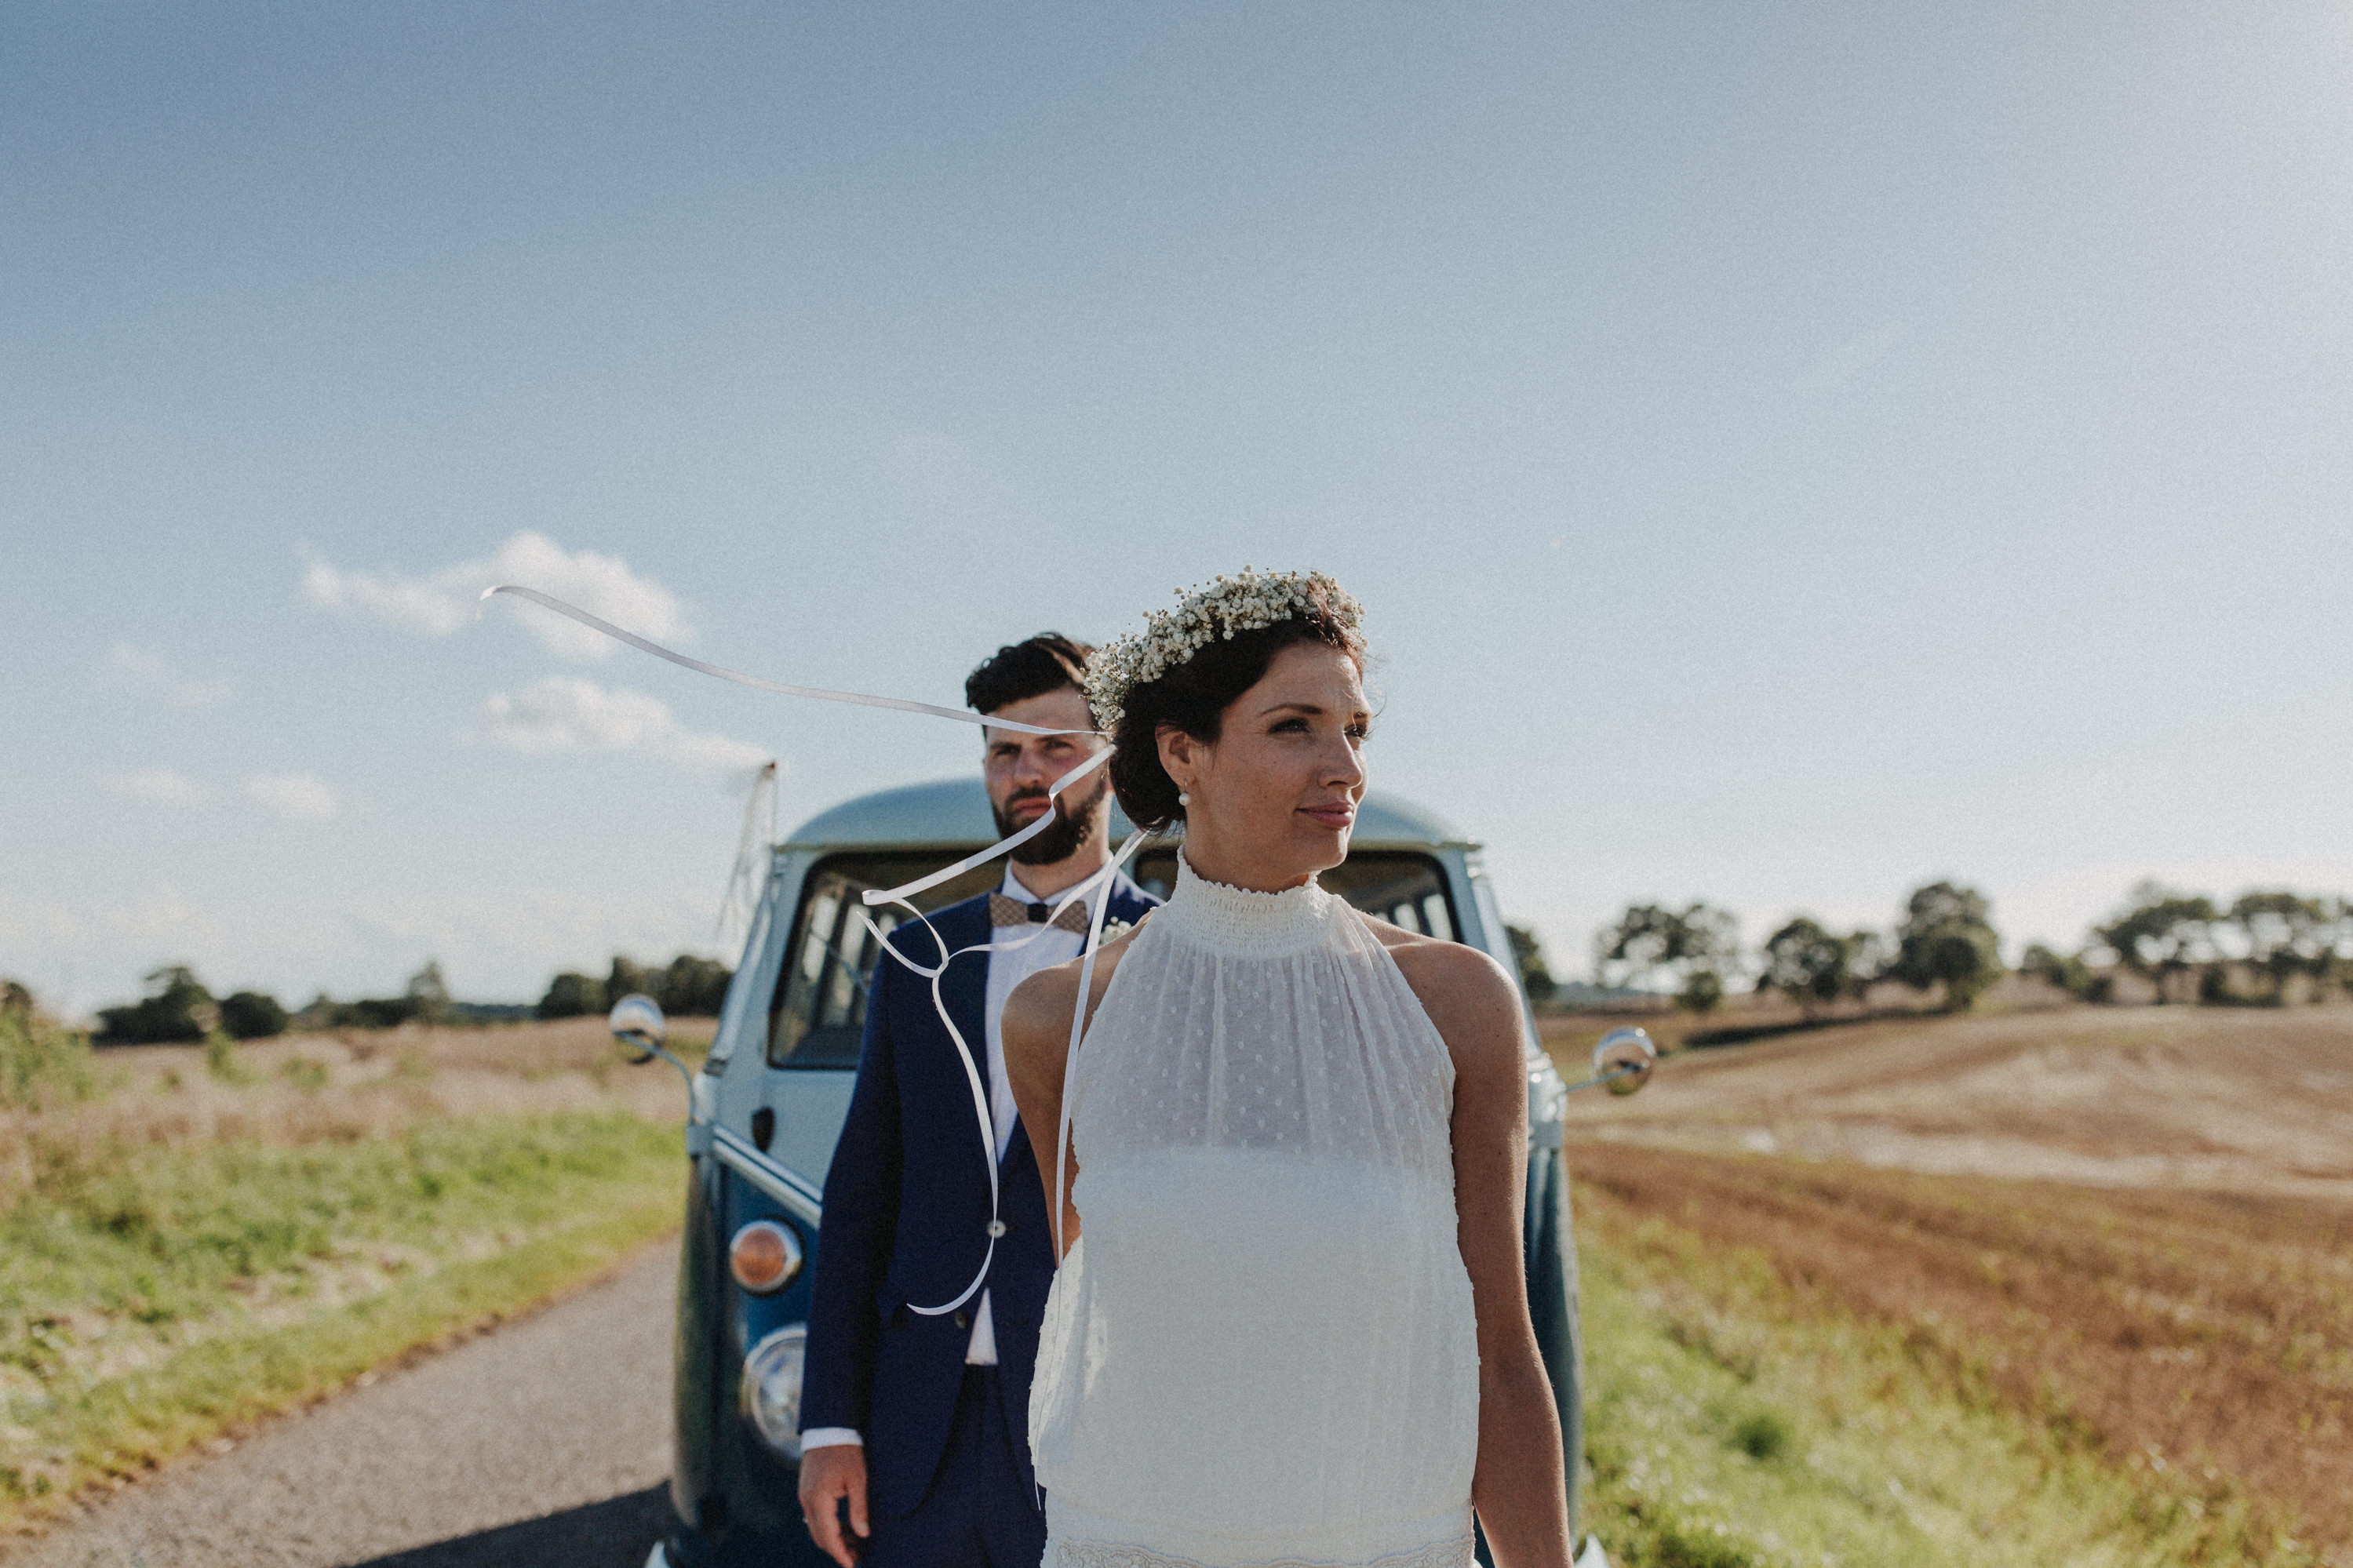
(830,1476)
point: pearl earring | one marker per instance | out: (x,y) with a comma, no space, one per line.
(1184,799)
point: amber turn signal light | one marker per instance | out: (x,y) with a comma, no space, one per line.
(763,1257)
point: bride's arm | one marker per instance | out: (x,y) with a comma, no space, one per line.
(1519,1486)
(1036,1028)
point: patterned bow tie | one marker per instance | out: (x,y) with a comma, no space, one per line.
(1005,911)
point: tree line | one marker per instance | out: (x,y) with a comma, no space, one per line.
(687,986)
(2268,947)
(178,1008)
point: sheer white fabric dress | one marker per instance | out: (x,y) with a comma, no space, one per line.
(1260,1351)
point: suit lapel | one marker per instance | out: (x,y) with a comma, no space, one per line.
(965,987)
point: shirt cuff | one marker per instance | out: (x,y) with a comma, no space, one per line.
(831,1437)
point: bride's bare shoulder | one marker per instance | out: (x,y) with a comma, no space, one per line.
(1465,992)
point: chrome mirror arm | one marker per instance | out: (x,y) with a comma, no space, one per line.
(1612,1076)
(639,1029)
(685,1076)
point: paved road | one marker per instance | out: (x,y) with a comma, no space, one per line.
(546,1443)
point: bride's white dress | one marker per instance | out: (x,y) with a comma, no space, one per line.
(1261,1350)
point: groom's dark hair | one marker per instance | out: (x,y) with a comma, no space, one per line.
(1031,668)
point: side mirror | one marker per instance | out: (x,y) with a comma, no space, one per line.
(638,1026)
(1623,1059)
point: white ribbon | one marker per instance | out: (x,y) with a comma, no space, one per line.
(901,893)
(575,612)
(1102,878)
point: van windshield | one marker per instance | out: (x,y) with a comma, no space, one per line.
(817,1014)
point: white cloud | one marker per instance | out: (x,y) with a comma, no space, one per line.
(129,664)
(298,797)
(158,786)
(447,600)
(565,713)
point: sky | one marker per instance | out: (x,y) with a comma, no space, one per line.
(1787,454)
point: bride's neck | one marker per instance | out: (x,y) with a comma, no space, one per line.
(1213,862)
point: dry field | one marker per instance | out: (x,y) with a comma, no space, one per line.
(2213,1100)
(2131,1228)
(352,1083)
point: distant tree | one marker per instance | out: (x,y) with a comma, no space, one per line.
(1651,940)
(1814,967)
(375,1012)
(1528,953)
(2162,935)
(1947,939)
(41,1062)
(692,987)
(2334,965)
(628,975)
(1701,992)
(571,996)
(1867,959)
(176,1008)
(2283,935)
(428,994)
(2067,970)
(252,1015)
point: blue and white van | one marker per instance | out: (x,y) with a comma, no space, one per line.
(769,1100)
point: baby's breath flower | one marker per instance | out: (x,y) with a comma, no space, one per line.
(1219,608)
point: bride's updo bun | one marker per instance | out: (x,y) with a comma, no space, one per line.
(1190,665)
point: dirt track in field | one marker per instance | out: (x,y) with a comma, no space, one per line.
(2213,1100)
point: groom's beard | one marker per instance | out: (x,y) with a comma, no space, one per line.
(1074,821)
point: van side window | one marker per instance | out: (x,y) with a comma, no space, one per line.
(817,1015)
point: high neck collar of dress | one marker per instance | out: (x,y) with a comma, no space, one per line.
(1242,923)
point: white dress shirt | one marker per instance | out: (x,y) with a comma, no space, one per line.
(1046,947)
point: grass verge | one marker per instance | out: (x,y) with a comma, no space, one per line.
(151,1299)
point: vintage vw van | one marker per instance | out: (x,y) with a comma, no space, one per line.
(769,1100)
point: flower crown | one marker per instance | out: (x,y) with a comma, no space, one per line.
(1220,607)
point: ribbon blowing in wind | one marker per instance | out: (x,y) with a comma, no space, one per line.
(875,897)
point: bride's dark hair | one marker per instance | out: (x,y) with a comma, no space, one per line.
(1194,696)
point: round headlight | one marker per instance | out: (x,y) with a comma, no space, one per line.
(771,1388)
(763,1257)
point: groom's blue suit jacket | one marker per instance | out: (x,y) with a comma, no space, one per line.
(906,1222)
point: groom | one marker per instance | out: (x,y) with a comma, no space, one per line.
(917,1426)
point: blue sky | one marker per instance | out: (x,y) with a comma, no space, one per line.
(1787,453)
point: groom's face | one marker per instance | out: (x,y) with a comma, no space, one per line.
(1019,769)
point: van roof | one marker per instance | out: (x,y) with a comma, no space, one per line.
(956,811)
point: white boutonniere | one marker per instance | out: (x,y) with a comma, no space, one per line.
(1114,929)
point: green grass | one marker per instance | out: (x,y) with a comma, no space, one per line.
(1732,1425)
(151,1297)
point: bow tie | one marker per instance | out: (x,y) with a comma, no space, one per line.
(1005,911)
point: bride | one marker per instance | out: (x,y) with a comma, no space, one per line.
(1290,1324)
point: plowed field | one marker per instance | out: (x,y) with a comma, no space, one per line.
(2133,1231)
